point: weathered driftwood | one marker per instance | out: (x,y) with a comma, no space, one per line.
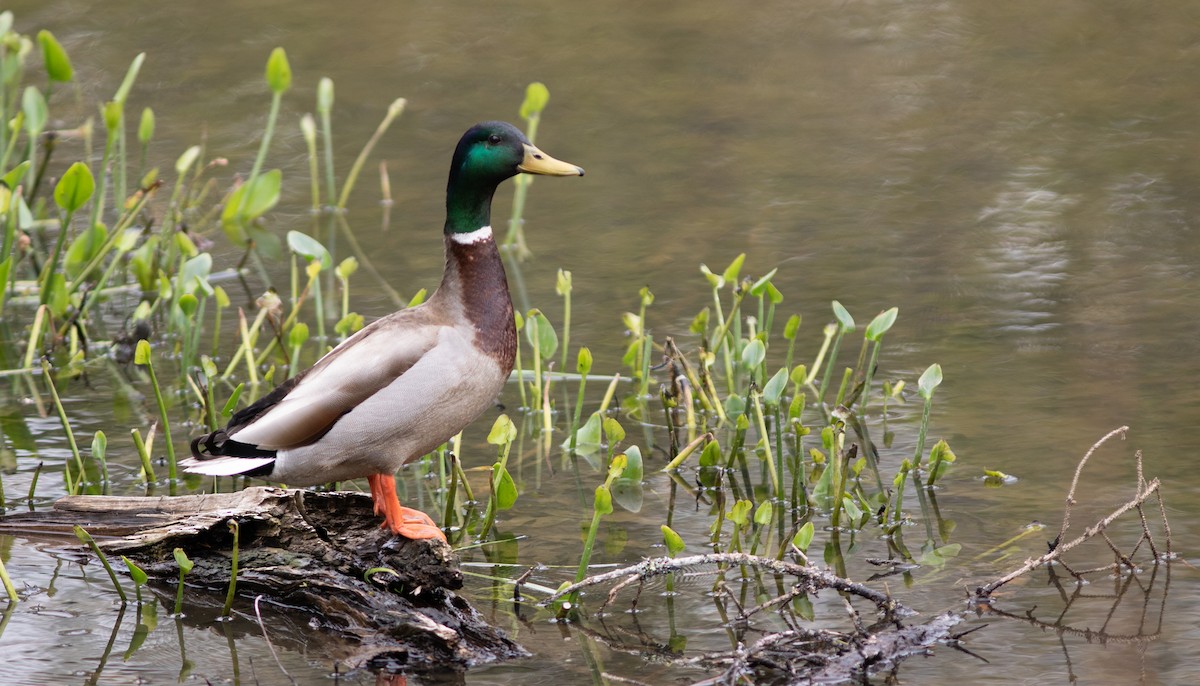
(305,552)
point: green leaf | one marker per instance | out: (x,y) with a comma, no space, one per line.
(99,445)
(735,406)
(75,187)
(346,268)
(699,325)
(187,159)
(536,97)
(587,437)
(851,509)
(58,65)
(633,464)
(645,296)
(146,126)
(711,456)
(804,536)
(141,354)
(764,513)
(773,390)
(740,512)
(135,572)
(188,304)
(254,199)
(754,354)
(298,335)
(761,285)
(562,283)
(613,431)
(930,379)
(349,324)
(674,541)
(58,298)
(602,504)
(113,112)
(13,178)
(617,466)
(194,274)
(279,72)
(83,248)
(503,431)
(130,76)
(309,248)
(506,488)
(181,559)
(418,298)
(715,280)
(232,403)
(734,268)
(845,321)
(583,363)
(33,105)
(881,323)
(540,333)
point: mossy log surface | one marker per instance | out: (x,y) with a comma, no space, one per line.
(307,554)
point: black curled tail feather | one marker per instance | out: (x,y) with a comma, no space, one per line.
(219,444)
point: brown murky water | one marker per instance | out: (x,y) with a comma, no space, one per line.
(1020,179)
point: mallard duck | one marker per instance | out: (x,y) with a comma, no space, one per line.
(408,382)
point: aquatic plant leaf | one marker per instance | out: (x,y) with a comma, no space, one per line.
(58,298)
(930,379)
(845,321)
(130,76)
(628,493)
(418,298)
(135,572)
(536,98)
(753,354)
(540,333)
(188,304)
(75,188)
(711,455)
(851,509)
(146,127)
(763,513)
(740,512)
(587,437)
(186,160)
(83,248)
(583,362)
(759,287)
(298,335)
(33,106)
(309,248)
(58,65)
(614,433)
(602,503)
(14,176)
(881,323)
(503,431)
(735,267)
(804,536)
(633,464)
(562,283)
(279,72)
(506,488)
(181,559)
(791,327)
(194,274)
(346,268)
(674,541)
(773,390)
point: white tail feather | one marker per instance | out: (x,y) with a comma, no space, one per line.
(224,466)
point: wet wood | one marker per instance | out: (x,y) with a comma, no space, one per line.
(308,554)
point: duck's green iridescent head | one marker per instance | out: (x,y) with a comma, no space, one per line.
(487,154)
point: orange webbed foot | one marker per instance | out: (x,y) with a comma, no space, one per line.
(403,521)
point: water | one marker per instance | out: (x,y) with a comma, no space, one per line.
(1019,179)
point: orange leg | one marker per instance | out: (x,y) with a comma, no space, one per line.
(403,521)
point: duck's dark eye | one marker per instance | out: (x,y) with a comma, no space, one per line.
(494,139)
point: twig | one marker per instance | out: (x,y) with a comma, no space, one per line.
(258,614)
(816,579)
(1066,523)
(1098,527)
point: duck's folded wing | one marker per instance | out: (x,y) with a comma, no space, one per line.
(342,380)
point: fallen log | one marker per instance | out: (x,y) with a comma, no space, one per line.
(367,597)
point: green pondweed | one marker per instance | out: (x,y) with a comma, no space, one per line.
(85,537)
(234,529)
(185,566)
(601,506)
(503,488)
(536,97)
(142,358)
